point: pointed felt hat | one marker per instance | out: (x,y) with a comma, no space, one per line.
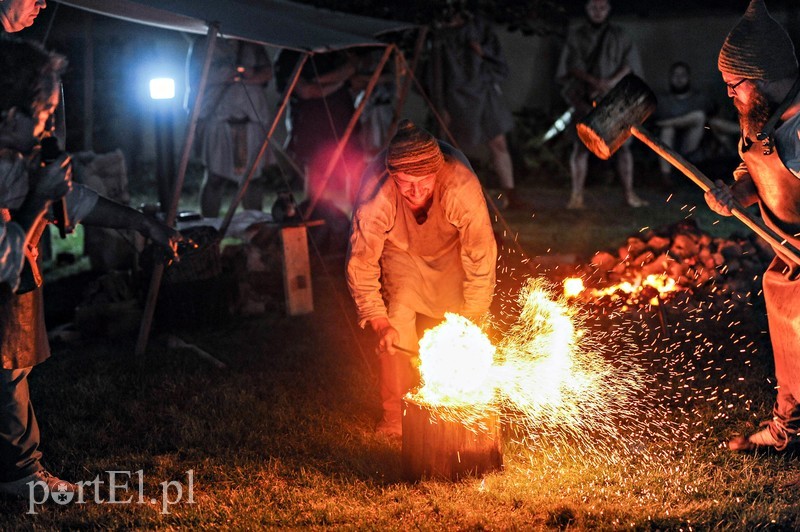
(758,47)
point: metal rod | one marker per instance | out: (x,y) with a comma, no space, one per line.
(404,350)
(662,318)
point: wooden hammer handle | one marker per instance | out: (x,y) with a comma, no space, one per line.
(755,224)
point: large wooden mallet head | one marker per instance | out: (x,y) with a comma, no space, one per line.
(609,124)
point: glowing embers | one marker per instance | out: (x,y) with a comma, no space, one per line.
(639,290)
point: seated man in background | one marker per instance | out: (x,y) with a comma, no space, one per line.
(681,116)
(693,125)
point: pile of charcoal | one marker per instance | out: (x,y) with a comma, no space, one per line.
(679,262)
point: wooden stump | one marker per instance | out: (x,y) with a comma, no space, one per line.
(434,447)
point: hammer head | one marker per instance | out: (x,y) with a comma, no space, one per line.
(609,124)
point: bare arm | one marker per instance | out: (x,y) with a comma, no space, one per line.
(722,198)
(111,214)
(327,83)
(692,118)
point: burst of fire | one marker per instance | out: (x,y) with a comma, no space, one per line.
(546,376)
(455,364)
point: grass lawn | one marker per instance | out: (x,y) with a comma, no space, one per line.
(285,437)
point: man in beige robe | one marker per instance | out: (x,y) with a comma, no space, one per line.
(421,243)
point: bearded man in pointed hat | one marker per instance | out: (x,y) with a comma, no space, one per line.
(759,67)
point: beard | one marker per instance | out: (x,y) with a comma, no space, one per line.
(755,114)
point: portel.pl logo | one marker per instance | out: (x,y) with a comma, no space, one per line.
(123,487)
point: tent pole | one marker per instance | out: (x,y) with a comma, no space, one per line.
(298,68)
(158,269)
(403,94)
(337,154)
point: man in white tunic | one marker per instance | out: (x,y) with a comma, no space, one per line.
(421,243)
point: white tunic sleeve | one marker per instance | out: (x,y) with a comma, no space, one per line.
(372,219)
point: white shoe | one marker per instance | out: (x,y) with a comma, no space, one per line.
(764,438)
(38,481)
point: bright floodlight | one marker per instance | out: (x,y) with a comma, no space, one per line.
(162,88)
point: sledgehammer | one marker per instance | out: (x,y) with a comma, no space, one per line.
(620,113)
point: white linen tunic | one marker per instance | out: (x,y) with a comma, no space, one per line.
(446,264)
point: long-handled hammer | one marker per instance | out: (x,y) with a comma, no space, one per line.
(620,114)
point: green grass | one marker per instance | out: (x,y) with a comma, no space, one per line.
(284,438)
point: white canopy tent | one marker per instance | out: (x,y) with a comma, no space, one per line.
(278,23)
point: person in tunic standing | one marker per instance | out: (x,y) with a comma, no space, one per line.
(421,243)
(473,66)
(596,56)
(234,120)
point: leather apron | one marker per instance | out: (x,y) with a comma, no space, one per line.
(781,284)
(23,335)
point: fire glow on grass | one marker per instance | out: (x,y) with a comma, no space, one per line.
(547,377)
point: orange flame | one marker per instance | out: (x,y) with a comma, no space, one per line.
(662,283)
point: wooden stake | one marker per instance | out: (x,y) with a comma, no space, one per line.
(296,271)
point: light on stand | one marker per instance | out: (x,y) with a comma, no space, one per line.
(162,88)
(162,91)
